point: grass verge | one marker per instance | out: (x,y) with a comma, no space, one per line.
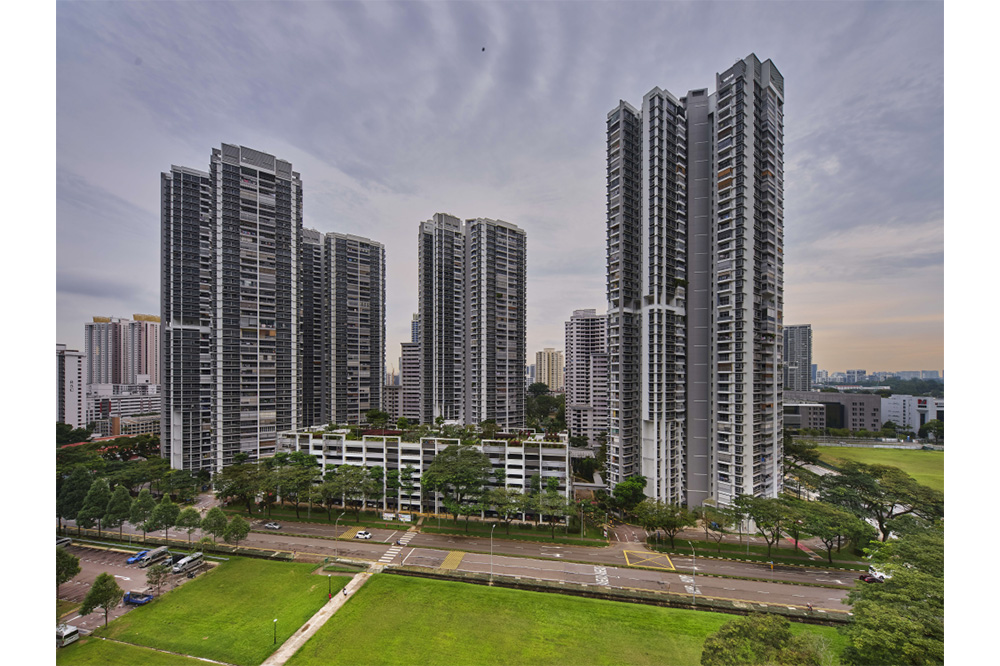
(228,613)
(477,625)
(540,535)
(786,554)
(64,607)
(94,651)
(927,467)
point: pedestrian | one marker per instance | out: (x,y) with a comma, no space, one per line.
(345,591)
(810,607)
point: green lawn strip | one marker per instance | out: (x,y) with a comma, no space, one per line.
(536,536)
(459,623)
(287,515)
(227,613)
(64,607)
(927,467)
(94,651)
(787,554)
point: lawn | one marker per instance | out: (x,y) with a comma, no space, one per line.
(430,622)
(227,614)
(927,467)
(94,651)
(63,607)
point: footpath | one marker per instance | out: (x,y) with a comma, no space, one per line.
(306,631)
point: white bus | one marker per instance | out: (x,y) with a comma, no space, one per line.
(189,562)
(63,541)
(66,634)
(153,556)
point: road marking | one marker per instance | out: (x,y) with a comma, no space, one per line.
(122,577)
(453,560)
(646,559)
(601,574)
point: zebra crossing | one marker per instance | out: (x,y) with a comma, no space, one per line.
(391,554)
(601,574)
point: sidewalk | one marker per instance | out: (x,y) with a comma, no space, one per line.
(298,639)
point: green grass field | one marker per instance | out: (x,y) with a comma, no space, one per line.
(95,652)
(927,467)
(63,607)
(397,620)
(227,614)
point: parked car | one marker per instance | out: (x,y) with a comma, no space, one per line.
(137,598)
(138,556)
(363,534)
(868,578)
(272,526)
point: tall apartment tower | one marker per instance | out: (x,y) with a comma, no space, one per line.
(313,351)
(549,363)
(471,307)
(694,280)
(123,351)
(797,358)
(587,375)
(353,327)
(230,307)
(71,377)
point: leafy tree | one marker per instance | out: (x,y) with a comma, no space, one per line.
(236,530)
(95,505)
(585,467)
(142,510)
(671,518)
(830,524)
(189,519)
(67,434)
(349,481)
(165,515)
(553,505)
(717,523)
(238,482)
(770,515)
(402,423)
(802,453)
(377,418)
(489,428)
(67,567)
(214,522)
(297,478)
(459,473)
(630,492)
(578,441)
(156,575)
(507,502)
(406,482)
(538,389)
(392,487)
(104,594)
(882,493)
(758,640)
(119,509)
(72,494)
(934,428)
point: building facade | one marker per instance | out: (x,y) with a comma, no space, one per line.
(910,412)
(587,375)
(695,288)
(798,367)
(71,374)
(549,364)
(853,411)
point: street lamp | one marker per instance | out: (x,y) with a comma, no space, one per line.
(491,552)
(275,631)
(694,569)
(329,586)
(335,535)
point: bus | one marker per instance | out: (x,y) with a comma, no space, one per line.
(153,556)
(190,562)
(66,634)
(63,541)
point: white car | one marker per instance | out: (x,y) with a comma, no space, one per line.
(272,526)
(363,534)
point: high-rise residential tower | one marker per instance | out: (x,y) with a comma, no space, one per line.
(797,357)
(230,307)
(471,299)
(123,351)
(694,278)
(549,366)
(587,375)
(71,374)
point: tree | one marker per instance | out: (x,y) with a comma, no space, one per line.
(770,515)
(72,493)
(761,639)
(538,389)
(238,482)
(460,473)
(506,502)
(630,492)
(882,493)
(830,524)
(489,428)
(349,481)
(67,566)
(934,427)
(104,594)
(214,523)
(189,519)
(671,518)
(717,523)
(165,515)
(142,510)
(156,574)
(402,423)
(236,530)
(95,505)
(802,453)
(552,504)
(377,418)
(119,509)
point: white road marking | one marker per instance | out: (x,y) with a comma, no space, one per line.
(122,577)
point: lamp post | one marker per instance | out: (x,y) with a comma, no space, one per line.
(335,535)
(694,569)
(275,631)
(329,586)
(491,552)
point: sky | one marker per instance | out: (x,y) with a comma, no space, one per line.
(392,112)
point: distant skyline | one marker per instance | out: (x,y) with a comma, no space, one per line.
(393,112)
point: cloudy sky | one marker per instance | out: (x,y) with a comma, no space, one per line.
(393,112)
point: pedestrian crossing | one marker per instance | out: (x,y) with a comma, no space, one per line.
(391,554)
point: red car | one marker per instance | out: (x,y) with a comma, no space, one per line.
(868,578)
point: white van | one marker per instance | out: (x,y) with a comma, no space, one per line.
(153,556)
(66,634)
(189,562)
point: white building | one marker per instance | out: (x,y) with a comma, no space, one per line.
(549,366)
(587,375)
(911,412)
(71,373)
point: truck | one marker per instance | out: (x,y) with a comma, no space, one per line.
(137,597)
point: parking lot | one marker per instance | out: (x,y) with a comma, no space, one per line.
(95,561)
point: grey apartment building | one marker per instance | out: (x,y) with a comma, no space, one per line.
(695,288)
(265,326)
(797,357)
(472,318)
(587,375)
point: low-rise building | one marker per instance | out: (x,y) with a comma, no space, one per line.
(853,411)
(799,415)
(911,412)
